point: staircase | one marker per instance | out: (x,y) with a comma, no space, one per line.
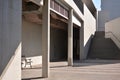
(103,48)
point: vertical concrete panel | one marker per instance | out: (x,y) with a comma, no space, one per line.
(5,33)
(89,30)
(1,14)
(11,39)
(103,17)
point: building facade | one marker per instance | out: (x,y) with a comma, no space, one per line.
(44,30)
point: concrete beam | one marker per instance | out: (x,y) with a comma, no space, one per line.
(70,38)
(46,39)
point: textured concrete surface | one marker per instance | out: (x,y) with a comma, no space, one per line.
(86,70)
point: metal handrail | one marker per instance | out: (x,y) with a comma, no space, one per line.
(113,35)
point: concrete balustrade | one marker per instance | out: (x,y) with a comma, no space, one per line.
(112,30)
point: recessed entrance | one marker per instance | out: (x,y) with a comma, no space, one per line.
(76,43)
(58,44)
(32,36)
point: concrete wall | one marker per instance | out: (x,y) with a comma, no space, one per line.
(31,41)
(1,21)
(10,39)
(89,30)
(112,29)
(103,17)
(13,68)
(76,21)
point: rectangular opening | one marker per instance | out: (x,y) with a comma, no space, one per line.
(76,43)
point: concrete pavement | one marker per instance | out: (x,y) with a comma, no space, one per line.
(86,70)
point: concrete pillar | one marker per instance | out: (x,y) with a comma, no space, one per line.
(46,38)
(82,41)
(70,38)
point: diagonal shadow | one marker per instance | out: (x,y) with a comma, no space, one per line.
(92,63)
(32,78)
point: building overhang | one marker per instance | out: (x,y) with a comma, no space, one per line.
(90,5)
(70,4)
(38,2)
(36,15)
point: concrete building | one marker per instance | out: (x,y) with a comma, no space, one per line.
(109,11)
(106,42)
(108,20)
(44,31)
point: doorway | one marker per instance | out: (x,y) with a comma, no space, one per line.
(76,42)
(58,39)
(58,45)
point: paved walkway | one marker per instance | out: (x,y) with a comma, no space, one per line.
(87,70)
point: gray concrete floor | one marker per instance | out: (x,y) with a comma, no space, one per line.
(86,70)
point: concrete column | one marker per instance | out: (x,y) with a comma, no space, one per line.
(82,41)
(70,39)
(46,38)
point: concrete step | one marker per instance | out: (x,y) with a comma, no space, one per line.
(102,48)
(100,34)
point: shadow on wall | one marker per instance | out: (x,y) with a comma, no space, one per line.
(11,62)
(87,47)
(33,78)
